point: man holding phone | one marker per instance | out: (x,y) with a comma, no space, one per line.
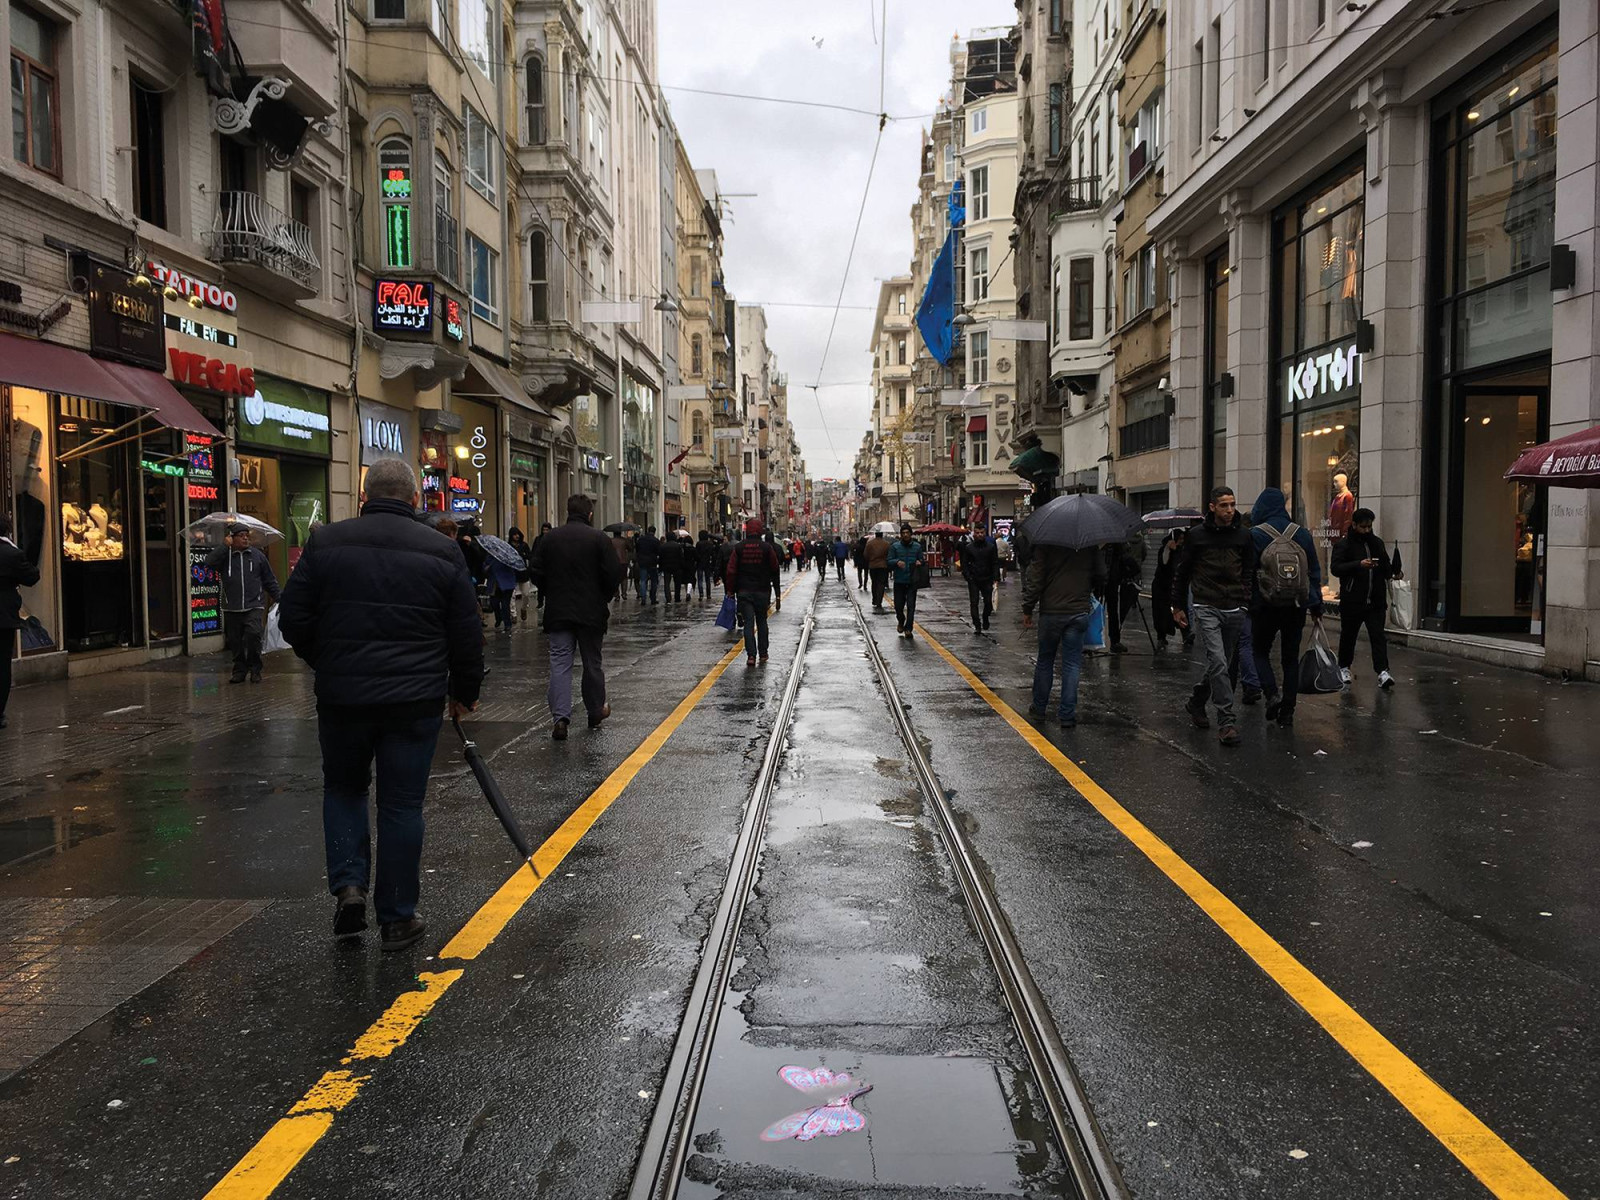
(1363,567)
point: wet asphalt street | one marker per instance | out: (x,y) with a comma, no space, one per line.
(170,992)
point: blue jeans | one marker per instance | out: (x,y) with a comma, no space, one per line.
(403,751)
(753,609)
(1063,633)
(649,577)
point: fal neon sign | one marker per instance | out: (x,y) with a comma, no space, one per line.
(1324,374)
(400,306)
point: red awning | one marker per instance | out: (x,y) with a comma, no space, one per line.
(51,368)
(978,425)
(166,404)
(1571,461)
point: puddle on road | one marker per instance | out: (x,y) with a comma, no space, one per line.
(24,838)
(927,1121)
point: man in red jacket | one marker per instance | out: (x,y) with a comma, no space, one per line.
(753,569)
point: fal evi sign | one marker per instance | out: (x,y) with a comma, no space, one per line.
(1326,375)
(286,416)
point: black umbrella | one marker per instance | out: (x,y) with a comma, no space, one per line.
(491,791)
(1079,521)
(622,527)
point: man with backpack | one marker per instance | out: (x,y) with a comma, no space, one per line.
(1288,584)
(1218,565)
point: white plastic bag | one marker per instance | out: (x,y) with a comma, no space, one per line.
(1402,604)
(272,636)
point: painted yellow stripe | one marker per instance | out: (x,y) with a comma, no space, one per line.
(1500,1168)
(281,1148)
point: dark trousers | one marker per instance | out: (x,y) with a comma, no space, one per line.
(586,643)
(905,605)
(985,591)
(880,582)
(1288,624)
(403,752)
(861,576)
(678,582)
(704,578)
(753,608)
(502,609)
(839,562)
(649,580)
(241,633)
(8,650)
(1350,625)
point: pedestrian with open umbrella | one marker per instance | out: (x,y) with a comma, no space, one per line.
(578,572)
(1060,582)
(386,671)
(248,584)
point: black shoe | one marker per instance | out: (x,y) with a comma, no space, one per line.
(1118,648)
(1252,695)
(1034,712)
(350,916)
(3,721)
(398,935)
(1286,720)
(977,627)
(236,677)
(1197,712)
(749,662)
(255,676)
(1274,706)
(986,622)
(1230,736)
(763,660)
(596,718)
(560,730)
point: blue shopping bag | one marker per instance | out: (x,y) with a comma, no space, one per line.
(1096,637)
(730,609)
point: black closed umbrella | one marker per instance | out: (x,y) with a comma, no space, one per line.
(622,527)
(492,792)
(1080,521)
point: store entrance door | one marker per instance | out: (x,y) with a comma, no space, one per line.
(1496,567)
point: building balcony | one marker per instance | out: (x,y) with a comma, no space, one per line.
(289,42)
(1140,437)
(269,249)
(1072,197)
(725,410)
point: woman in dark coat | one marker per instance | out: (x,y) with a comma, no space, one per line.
(15,572)
(1161,585)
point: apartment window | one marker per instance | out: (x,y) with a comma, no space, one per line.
(149,155)
(538,276)
(979,274)
(569,101)
(388,10)
(1057,25)
(443,184)
(1197,89)
(1111,291)
(474,29)
(1264,25)
(1147,277)
(35,92)
(395,189)
(481,174)
(1094,143)
(1056,93)
(1146,136)
(697,273)
(980,120)
(949,162)
(697,355)
(978,356)
(900,399)
(749,469)
(538,126)
(484,265)
(978,455)
(978,192)
(1213,76)
(1080,299)
(902,352)
(900,304)
(1055,304)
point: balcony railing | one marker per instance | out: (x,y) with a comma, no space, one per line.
(447,245)
(1137,157)
(248,230)
(1152,433)
(1077,195)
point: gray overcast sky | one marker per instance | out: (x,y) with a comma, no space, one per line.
(809,165)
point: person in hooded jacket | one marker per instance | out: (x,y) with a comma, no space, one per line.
(705,562)
(649,557)
(1285,622)
(384,610)
(752,572)
(671,561)
(980,563)
(247,584)
(1364,568)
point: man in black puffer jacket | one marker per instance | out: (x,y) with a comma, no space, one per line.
(384,610)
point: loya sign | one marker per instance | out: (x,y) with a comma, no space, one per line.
(197,370)
(1325,375)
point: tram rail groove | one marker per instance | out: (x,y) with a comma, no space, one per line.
(1094,1171)
(667,1142)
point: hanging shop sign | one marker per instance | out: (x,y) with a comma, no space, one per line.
(217,374)
(286,416)
(385,432)
(125,322)
(402,306)
(37,323)
(591,463)
(1326,375)
(184,325)
(205,586)
(209,294)
(455,325)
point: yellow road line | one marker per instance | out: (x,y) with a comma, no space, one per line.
(1500,1168)
(281,1148)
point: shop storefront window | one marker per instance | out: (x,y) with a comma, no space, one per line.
(162,468)
(93,482)
(474,466)
(285,437)
(1216,356)
(33,494)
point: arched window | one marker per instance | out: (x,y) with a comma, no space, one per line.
(699,429)
(536,107)
(538,277)
(697,355)
(396,188)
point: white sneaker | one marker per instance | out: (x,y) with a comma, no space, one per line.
(1385,680)
(1344,676)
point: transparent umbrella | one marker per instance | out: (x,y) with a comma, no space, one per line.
(212,529)
(501,551)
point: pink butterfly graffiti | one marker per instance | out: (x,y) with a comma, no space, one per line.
(830,1116)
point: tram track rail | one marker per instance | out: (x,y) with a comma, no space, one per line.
(1089,1164)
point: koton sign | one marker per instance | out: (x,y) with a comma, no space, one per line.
(210,294)
(1325,374)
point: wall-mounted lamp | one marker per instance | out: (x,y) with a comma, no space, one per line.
(1225,386)
(1563,267)
(1366,337)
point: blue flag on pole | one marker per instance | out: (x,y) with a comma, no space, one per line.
(938,307)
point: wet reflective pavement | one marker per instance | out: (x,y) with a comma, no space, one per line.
(1409,866)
